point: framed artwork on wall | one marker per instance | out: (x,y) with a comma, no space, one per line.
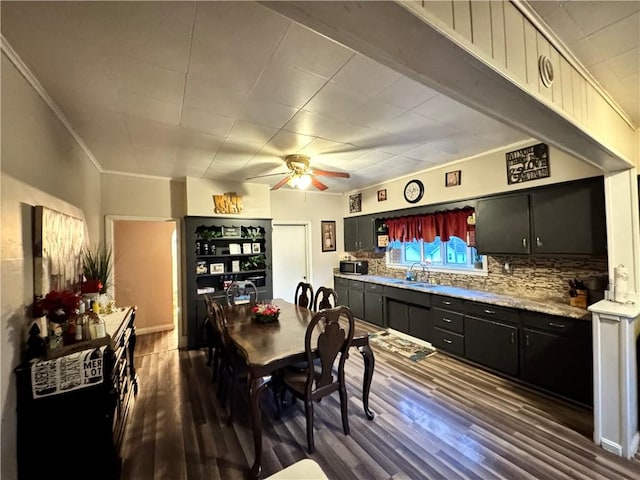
(328,230)
(355,203)
(382,195)
(453,179)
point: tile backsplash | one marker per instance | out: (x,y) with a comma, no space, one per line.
(546,278)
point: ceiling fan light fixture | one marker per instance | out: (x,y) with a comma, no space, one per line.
(304,181)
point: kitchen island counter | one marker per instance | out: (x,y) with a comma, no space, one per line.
(540,305)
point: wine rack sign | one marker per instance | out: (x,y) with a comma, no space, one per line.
(529,163)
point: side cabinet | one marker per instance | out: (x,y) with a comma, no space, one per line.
(491,337)
(557,355)
(359,233)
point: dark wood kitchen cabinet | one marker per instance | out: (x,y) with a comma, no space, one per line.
(398,316)
(356,298)
(502,225)
(565,219)
(492,337)
(556,355)
(341,286)
(359,233)
(448,324)
(373,304)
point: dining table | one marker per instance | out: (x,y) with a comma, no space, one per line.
(268,347)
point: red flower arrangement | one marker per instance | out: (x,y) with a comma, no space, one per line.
(265,312)
(59,306)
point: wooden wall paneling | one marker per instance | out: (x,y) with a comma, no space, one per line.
(443,11)
(556,86)
(481,26)
(566,87)
(515,44)
(583,98)
(531,53)
(462,19)
(543,49)
(577,93)
(497,33)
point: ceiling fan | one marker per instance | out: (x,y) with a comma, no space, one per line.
(300,175)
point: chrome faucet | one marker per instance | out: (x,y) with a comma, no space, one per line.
(410,276)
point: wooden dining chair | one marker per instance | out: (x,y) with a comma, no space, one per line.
(325,298)
(233,367)
(213,340)
(242,291)
(303,296)
(329,340)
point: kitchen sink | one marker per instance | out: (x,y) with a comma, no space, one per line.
(412,283)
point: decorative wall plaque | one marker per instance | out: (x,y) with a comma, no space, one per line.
(228,203)
(529,163)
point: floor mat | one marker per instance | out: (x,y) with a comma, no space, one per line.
(396,344)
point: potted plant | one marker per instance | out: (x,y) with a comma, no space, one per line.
(97,265)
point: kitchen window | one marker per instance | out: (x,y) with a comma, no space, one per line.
(445,241)
(453,254)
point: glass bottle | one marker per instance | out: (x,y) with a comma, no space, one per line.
(79,322)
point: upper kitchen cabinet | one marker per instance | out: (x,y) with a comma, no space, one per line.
(566,219)
(359,233)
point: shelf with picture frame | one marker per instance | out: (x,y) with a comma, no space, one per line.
(237,248)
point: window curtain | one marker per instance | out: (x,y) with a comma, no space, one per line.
(431,225)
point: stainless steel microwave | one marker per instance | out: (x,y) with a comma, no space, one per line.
(354,267)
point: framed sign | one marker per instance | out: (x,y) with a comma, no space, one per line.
(529,163)
(328,229)
(355,203)
(382,195)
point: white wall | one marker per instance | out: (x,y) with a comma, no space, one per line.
(481,175)
(200,193)
(287,204)
(41,165)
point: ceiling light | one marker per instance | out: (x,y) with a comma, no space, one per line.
(293,181)
(304,181)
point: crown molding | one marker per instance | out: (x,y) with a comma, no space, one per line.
(14,58)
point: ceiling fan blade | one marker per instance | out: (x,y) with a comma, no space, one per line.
(281,183)
(267,175)
(326,173)
(318,184)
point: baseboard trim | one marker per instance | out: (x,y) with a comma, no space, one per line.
(610,446)
(154,329)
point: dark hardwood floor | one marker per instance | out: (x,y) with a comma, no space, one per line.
(435,419)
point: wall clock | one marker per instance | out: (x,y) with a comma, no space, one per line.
(413,191)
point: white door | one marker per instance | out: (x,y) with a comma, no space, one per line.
(290,259)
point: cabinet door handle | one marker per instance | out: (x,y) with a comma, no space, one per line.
(444,319)
(526,341)
(556,325)
(538,242)
(489,312)
(446,340)
(446,302)
(513,338)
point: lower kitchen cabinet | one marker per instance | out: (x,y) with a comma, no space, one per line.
(398,316)
(492,344)
(556,355)
(448,324)
(420,325)
(356,298)
(341,286)
(373,304)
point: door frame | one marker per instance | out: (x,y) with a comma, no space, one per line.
(307,224)
(108,229)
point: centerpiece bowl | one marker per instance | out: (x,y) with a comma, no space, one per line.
(265,313)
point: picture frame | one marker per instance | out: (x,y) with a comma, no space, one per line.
(246,248)
(453,179)
(355,203)
(382,195)
(216,268)
(234,249)
(255,248)
(235,265)
(328,231)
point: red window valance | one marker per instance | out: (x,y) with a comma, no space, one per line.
(428,226)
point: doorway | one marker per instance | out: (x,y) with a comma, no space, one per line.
(145,271)
(291,257)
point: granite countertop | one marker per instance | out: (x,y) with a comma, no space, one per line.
(541,305)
